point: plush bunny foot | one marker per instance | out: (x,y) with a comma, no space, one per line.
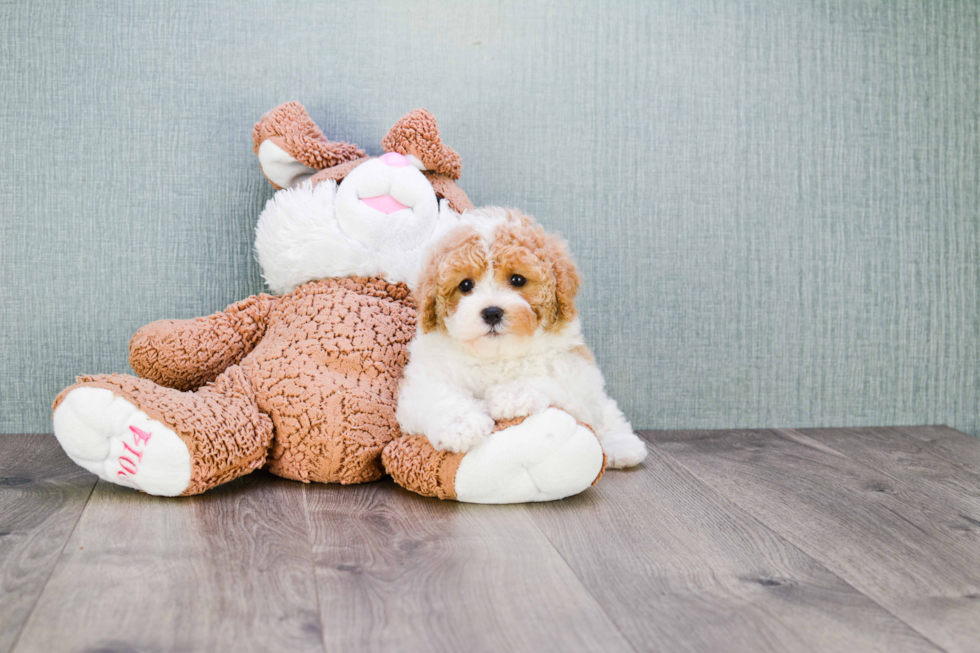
(547,456)
(544,457)
(112,438)
(163,441)
(624,449)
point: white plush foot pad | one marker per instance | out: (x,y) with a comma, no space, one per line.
(624,449)
(548,456)
(112,438)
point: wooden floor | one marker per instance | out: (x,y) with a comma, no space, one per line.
(811,540)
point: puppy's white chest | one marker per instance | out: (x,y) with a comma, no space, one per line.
(492,373)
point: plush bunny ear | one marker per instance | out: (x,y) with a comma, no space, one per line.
(447,189)
(282,170)
(416,136)
(291,148)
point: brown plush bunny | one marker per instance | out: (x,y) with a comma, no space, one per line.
(304,381)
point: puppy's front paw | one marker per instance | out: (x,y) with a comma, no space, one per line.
(510,401)
(623,449)
(462,433)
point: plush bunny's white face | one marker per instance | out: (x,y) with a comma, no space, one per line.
(378,222)
(387,203)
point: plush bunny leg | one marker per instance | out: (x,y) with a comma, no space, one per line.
(133,432)
(544,457)
(416,465)
(331,426)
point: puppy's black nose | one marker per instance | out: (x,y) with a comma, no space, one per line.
(492,315)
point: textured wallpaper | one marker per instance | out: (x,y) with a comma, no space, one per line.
(775,205)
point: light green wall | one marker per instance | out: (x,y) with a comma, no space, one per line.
(775,204)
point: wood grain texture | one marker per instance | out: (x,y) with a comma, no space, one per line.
(907,460)
(229,570)
(679,568)
(824,540)
(881,536)
(949,444)
(42,494)
(396,571)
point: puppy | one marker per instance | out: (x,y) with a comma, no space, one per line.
(498,338)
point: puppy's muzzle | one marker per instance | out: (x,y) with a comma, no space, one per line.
(492,315)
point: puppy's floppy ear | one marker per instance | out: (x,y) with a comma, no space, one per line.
(567,280)
(458,250)
(425,295)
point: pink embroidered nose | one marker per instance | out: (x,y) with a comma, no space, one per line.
(395,160)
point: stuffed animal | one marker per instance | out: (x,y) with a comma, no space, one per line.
(304,381)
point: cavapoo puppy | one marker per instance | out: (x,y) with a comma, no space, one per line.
(498,338)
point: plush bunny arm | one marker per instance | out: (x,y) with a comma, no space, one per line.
(186,354)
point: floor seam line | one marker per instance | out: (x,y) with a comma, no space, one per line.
(917,492)
(580,581)
(927,453)
(316,585)
(800,548)
(13,646)
(949,460)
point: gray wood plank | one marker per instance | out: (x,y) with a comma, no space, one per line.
(680,568)
(953,446)
(399,572)
(42,494)
(906,459)
(229,570)
(876,534)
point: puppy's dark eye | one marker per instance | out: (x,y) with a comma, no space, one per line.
(517,280)
(465,285)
